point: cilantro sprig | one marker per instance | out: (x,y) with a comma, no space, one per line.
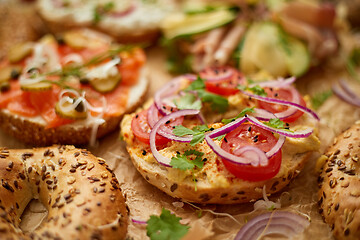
(277,123)
(183,162)
(197,89)
(166,226)
(197,132)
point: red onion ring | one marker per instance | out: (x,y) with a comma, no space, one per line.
(280,82)
(292,105)
(299,134)
(123,13)
(344,93)
(279,222)
(276,148)
(160,158)
(221,73)
(167,90)
(257,157)
(138,221)
(262,114)
(152,116)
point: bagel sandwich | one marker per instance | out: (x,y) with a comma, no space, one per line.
(251,36)
(204,141)
(80,192)
(339,185)
(71,89)
(128,20)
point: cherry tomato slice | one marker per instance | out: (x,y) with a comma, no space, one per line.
(283,94)
(141,128)
(223,86)
(249,134)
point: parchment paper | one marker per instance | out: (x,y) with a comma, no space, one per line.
(206,221)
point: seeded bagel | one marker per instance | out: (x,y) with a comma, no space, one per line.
(33,130)
(214,184)
(80,192)
(339,195)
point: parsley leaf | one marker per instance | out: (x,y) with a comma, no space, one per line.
(183,163)
(219,138)
(198,133)
(166,226)
(256,90)
(217,102)
(241,114)
(318,99)
(276,123)
(188,101)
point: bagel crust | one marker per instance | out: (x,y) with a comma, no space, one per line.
(339,195)
(214,183)
(80,192)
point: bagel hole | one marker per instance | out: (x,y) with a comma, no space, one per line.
(33,216)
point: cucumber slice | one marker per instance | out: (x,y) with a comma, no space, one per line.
(105,85)
(39,86)
(76,114)
(19,51)
(298,59)
(268,48)
(177,25)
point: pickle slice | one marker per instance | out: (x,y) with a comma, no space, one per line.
(85,38)
(19,51)
(78,113)
(105,85)
(39,86)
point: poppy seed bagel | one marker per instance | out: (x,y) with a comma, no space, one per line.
(80,192)
(339,182)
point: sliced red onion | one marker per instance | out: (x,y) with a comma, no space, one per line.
(152,116)
(262,114)
(191,77)
(227,128)
(345,95)
(256,158)
(292,106)
(298,134)
(138,221)
(167,90)
(284,223)
(280,82)
(123,13)
(221,73)
(160,158)
(276,148)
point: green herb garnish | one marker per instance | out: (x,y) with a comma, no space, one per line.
(318,99)
(182,162)
(198,133)
(276,123)
(241,114)
(165,227)
(257,90)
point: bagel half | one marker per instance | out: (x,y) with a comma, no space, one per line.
(339,182)
(214,183)
(138,22)
(34,131)
(80,192)
(120,88)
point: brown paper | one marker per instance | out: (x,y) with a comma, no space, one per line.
(144,200)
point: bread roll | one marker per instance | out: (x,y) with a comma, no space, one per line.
(339,195)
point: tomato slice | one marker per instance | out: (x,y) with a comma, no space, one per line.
(283,94)
(244,135)
(141,128)
(223,86)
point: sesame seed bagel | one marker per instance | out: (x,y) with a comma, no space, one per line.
(34,131)
(142,16)
(214,183)
(339,195)
(80,192)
